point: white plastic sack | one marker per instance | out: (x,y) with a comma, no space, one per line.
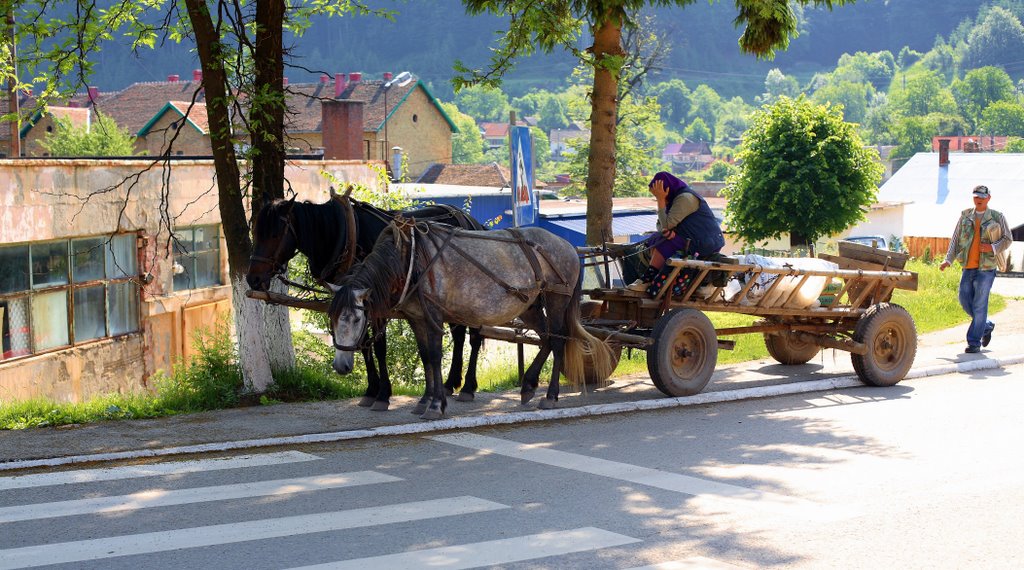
(806,297)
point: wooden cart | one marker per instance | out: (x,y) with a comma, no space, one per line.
(854,314)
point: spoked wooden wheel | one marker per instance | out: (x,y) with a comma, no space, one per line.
(685,351)
(889,333)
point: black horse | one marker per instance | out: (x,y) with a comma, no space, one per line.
(323,233)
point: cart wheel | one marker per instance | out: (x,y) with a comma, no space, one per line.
(888,331)
(591,380)
(786,349)
(685,350)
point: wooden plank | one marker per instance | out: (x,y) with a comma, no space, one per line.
(861,252)
(289,301)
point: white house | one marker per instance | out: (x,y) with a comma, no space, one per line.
(937,186)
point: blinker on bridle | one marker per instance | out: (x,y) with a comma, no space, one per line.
(361,340)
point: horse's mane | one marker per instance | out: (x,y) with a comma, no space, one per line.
(378,272)
(319,227)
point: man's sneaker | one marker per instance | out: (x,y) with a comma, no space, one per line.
(971,349)
(639,285)
(988,334)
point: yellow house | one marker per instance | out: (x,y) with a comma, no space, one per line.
(400,115)
(43,122)
(182,122)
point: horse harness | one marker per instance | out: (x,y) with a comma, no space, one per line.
(530,250)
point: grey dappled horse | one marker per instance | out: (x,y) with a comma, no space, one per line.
(429,274)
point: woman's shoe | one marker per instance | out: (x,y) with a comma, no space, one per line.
(639,285)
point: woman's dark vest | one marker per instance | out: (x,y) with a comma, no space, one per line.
(700,227)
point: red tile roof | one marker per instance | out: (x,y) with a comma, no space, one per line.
(304,102)
(134,106)
(493,175)
(197,114)
(494,130)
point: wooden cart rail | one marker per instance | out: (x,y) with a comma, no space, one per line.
(863,288)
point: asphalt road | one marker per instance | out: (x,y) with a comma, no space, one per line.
(925,474)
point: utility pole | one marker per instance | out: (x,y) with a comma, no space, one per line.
(12,88)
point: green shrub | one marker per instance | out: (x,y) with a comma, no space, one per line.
(211,379)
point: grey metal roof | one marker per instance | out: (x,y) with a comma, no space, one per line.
(622,224)
(937,194)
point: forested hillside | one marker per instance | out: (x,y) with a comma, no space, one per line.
(426,36)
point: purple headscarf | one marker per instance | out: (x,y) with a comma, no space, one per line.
(675,186)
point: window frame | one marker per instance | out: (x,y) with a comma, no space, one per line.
(179,252)
(111,277)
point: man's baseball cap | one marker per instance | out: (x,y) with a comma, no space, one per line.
(981,191)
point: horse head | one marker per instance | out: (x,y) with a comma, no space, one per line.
(275,242)
(349,323)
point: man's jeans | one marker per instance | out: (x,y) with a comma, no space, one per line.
(975,285)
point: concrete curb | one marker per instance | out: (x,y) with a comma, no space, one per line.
(516,417)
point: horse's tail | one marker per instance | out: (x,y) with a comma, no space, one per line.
(584,349)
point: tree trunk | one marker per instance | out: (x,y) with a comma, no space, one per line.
(251,332)
(266,121)
(601,163)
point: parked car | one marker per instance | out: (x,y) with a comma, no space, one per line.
(873,241)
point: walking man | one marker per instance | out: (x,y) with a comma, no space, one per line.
(979,243)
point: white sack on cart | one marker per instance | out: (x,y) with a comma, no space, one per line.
(806,297)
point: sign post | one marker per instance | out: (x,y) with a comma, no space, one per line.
(524,202)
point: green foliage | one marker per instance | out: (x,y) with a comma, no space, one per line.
(468,143)
(674,98)
(803,171)
(1000,33)
(720,170)
(553,115)
(876,68)
(853,97)
(1003,118)
(914,134)
(778,84)
(698,131)
(979,89)
(1015,145)
(705,104)
(102,137)
(924,93)
(484,104)
(211,380)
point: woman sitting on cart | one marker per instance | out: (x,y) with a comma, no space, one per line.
(686,227)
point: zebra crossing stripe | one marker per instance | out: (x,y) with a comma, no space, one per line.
(167,540)
(489,553)
(612,469)
(692,563)
(163,498)
(171,468)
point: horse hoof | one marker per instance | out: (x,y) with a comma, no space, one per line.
(379,406)
(420,408)
(432,415)
(525,397)
(465,397)
(366,401)
(547,404)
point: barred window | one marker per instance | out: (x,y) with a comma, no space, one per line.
(60,293)
(196,257)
